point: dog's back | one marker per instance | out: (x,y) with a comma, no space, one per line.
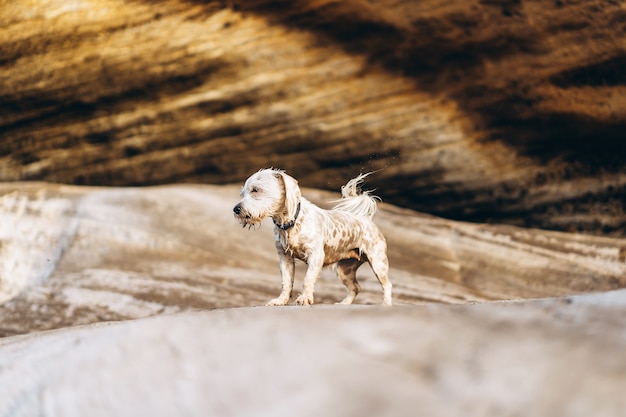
(355,201)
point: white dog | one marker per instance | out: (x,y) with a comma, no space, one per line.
(345,235)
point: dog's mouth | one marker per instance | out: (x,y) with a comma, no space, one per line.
(245,220)
(251,225)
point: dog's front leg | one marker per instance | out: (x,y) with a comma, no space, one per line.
(287,272)
(315,262)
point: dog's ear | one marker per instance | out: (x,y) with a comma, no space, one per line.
(292,193)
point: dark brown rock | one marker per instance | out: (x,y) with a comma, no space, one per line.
(508,111)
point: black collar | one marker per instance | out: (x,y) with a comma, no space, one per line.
(289,224)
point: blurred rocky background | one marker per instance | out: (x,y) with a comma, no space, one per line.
(507,111)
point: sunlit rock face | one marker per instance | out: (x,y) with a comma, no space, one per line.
(507,111)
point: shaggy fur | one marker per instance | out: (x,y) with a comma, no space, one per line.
(344,236)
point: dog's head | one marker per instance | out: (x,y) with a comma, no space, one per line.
(269,192)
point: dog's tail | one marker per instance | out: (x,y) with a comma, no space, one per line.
(356,201)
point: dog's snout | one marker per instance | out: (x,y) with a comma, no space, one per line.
(237,209)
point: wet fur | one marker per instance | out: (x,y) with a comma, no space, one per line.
(344,236)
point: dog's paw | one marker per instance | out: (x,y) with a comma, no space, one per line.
(304,300)
(277,302)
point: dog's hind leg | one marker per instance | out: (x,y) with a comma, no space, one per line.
(346,272)
(377,257)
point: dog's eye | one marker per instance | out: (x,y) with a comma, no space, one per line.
(254,190)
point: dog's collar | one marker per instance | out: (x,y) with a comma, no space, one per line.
(289,224)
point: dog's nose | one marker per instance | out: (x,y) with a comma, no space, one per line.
(237,209)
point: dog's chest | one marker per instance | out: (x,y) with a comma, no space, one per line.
(295,245)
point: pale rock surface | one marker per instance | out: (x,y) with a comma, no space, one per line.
(80,255)
(141,285)
(558,357)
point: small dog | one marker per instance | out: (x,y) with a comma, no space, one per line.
(344,235)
